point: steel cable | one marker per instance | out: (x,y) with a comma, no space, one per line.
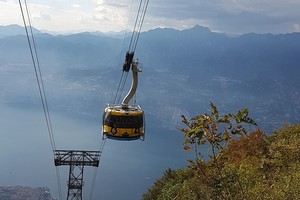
(38,74)
(96,169)
(139,20)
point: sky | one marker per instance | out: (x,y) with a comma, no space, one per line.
(230,16)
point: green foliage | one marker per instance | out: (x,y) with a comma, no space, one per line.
(173,184)
(214,129)
(281,163)
(250,166)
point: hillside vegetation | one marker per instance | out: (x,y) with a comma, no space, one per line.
(241,165)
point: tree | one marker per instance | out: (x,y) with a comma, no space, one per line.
(215,131)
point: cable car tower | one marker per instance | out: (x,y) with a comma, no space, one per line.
(126,121)
(76,160)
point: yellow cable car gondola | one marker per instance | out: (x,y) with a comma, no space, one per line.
(125,122)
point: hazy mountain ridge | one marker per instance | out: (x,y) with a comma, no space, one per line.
(182,72)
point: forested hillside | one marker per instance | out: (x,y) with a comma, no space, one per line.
(251,166)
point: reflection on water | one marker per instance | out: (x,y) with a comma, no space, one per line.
(126,169)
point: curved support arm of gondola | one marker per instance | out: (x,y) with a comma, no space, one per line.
(134,84)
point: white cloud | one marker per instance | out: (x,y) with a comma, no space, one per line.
(76,6)
(232,15)
(260,16)
(41,16)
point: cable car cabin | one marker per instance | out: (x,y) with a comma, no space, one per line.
(123,123)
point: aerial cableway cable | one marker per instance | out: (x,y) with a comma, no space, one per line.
(96,170)
(138,25)
(120,89)
(38,74)
(37,70)
(139,20)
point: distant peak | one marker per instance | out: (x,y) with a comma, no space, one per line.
(14,29)
(12,26)
(200,28)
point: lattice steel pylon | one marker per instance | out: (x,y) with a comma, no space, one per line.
(76,160)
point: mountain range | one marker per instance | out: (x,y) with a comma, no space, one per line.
(182,71)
